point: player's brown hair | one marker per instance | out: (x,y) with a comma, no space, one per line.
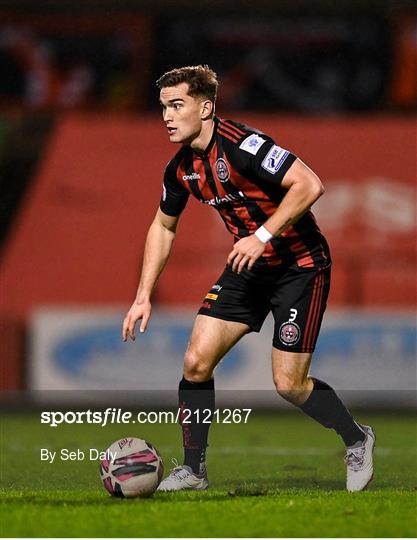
(202,80)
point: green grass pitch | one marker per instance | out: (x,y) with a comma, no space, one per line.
(279,475)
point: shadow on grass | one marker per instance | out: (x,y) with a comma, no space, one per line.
(298,483)
(250,488)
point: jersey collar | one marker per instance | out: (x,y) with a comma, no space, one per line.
(207,151)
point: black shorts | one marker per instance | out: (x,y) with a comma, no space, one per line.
(296,296)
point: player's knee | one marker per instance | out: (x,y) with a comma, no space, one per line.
(289,388)
(194,369)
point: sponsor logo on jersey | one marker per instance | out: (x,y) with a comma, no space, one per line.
(289,333)
(252,144)
(274,159)
(211,296)
(192,176)
(230,197)
(222,170)
(217,288)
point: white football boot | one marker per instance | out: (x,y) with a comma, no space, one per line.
(182,477)
(359,461)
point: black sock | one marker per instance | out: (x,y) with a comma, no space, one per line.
(324,406)
(196,401)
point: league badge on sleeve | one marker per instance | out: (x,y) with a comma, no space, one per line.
(274,159)
(252,144)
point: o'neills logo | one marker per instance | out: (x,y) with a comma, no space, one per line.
(192,176)
(218,201)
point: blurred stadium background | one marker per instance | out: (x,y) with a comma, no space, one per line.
(82,153)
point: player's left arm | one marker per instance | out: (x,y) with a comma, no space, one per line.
(303,189)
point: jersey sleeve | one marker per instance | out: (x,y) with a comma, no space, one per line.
(262,159)
(174,196)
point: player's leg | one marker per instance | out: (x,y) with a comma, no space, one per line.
(319,401)
(314,397)
(300,304)
(235,305)
(211,339)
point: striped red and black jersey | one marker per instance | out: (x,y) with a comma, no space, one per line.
(240,174)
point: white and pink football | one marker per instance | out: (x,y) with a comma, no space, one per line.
(132,468)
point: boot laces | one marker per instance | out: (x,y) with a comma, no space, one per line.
(178,470)
(355,458)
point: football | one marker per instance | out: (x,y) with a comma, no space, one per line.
(132,468)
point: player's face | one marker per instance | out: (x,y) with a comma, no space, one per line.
(182,113)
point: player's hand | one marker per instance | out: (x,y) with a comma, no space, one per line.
(245,252)
(140,310)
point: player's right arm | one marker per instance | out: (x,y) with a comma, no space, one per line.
(158,246)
